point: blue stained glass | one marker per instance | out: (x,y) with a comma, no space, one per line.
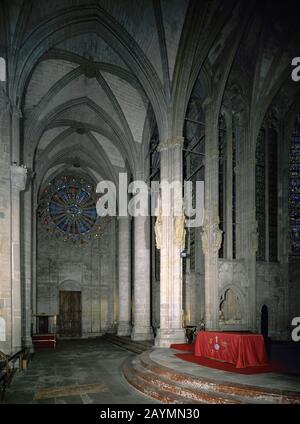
(260,177)
(68,206)
(294,191)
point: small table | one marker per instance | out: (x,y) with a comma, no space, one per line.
(241,349)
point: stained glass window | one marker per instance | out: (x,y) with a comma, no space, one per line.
(233,194)
(294,192)
(260,181)
(222,180)
(266,194)
(273,193)
(193,169)
(68,209)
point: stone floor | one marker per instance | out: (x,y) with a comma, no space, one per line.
(76,372)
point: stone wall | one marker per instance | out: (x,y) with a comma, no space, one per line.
(271,285)
(89,268)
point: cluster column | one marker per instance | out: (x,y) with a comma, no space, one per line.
(212,235)
(18,175)
(5,224)
(27,279)
(170,237)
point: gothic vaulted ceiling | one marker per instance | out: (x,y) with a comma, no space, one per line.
(92,77)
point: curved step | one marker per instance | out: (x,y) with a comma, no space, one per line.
(148,376)
(151,390)
(165,390)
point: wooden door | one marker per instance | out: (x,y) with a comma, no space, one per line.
(70,313)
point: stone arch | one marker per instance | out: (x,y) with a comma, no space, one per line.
(269,303)
(231,305)
(69,285)
(264,320)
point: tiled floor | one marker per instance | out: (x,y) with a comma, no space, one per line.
(94,365)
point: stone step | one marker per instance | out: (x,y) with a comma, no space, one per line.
(181,391)
(243,391)
(146,375)
(150,390)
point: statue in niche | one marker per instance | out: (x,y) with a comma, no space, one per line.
(230,310)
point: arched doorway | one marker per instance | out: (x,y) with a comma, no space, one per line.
(70,309)
(264,321)
(264,328)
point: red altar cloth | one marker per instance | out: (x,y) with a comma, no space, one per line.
(241,349)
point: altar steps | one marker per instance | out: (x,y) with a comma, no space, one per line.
(128,344)
(170,386)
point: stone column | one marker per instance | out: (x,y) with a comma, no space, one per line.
(124,326)
(18,176)
(5,224)
(249,230)
(142,329)
(212,235)
(170,240)
(27,266)
(211,243)
(247,236)
(229,191)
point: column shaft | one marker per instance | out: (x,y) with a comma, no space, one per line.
(18,182)
(172,242)
(142,329)
(212,235)
(124,326)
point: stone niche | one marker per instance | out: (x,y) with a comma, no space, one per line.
(230,308)
(233,294)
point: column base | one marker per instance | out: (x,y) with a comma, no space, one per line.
(27,342)
(142,333)
(166,337)
(124,329)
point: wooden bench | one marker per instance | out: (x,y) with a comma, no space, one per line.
(9,365)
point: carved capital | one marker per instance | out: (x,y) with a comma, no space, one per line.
(170,144)
(18,176)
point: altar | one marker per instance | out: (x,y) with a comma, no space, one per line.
(238,348)
(45,330)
